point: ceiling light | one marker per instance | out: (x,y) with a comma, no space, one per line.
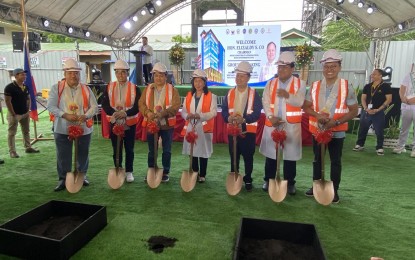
(151,9)
(360,4)
(351,1)
(158,2)
(371,9)
(69,29)
(135,18)
(401,26)
(339,2)
(45,22)
(87,33)
(127,25)
(105,39)
(143,12)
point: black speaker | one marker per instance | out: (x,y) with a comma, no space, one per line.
(34,41)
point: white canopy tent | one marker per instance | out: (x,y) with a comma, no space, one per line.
(105,19)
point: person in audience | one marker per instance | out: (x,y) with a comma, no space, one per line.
(282,100)
(71,103)
(17,98)
(160,101)
(120,103)
(376,97)
(199,110)
(242,106)
(331,103)
(407,95)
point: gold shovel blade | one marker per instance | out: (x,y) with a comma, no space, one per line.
(154,176)
(277,190)
(233,183)
(74,181)
(116,178)
(188,181)
(323,192)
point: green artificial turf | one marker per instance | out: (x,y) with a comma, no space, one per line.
(375,216)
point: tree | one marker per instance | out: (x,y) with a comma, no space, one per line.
(59,38)
(342,36)
(180,39)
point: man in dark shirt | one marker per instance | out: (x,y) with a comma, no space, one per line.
(18,103)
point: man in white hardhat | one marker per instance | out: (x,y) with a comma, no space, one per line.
(331,103)
(120,103)
(242,106)
(147,60)
(282,100)
(200,105)
(71,103)
(160,102)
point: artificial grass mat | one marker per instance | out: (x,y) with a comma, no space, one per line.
(375,216)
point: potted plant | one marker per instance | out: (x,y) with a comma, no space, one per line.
(176,57)
(303,58)
(391,134)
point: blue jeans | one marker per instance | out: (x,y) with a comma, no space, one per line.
(378,121)
(128,142)
(167,139)
(64,154)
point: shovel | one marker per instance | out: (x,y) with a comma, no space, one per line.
(74,180)
(234,179)
(277,188)
(323,190)
(116,176)
(154,174)
(189,178)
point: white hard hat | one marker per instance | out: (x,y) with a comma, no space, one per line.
(159,67)
(71,65)
(121,65)
(244,67)
(286,58)
(198,73)
(331,56)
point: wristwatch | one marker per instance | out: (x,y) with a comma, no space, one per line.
(337,122)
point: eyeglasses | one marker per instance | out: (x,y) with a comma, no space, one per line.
(332,67)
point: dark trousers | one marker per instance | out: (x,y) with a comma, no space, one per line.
(378,121)
(128,142)
(166,140)
(335,147)
(199,164)
(147,72)
(245,146)
(290,170)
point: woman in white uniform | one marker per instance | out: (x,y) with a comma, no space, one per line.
(282,100)
(199,107)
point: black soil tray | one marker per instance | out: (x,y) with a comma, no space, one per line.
(54,230)
(268,239)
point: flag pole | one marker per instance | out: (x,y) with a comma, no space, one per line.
(33,112)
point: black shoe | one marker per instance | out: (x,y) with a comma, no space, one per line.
(291,189)
(265,186)
(336,198)
(32,150)
(61,185)
(165,178)
(248,186)
(309,193)
(86,183)
(1,161)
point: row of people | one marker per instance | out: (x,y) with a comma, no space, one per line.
(331,103)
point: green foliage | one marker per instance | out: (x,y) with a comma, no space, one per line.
(342,36)
(303,55)
(180,39)
(59,38)
(404,37)
(177,55)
